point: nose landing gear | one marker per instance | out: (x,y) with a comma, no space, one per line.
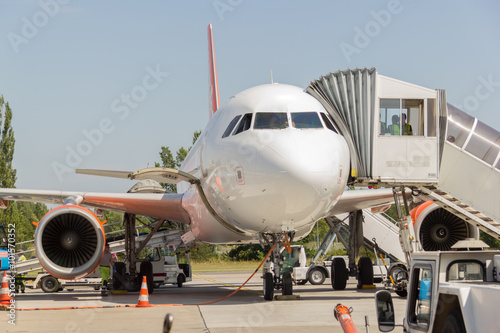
(275,275)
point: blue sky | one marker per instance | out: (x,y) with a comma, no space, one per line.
(68,65)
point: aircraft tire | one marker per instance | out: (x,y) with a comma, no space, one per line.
(365,270)
(287,284)
(268,283)
(49,284)
(339,274)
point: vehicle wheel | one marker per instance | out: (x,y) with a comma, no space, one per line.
(317,276)
(49,284)
(396,269)
(301,282)
(365,271)
(454,322)
(147,270)
(287,284)
(339,274)
(118,276)
(180,280)
(268,283)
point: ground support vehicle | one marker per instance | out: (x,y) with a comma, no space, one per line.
(51,284)
(448,291)
(296,263)
(166,269)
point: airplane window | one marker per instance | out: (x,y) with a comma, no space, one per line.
(328,122)
(306,120)
(244,124)
(231,125)
(270,120)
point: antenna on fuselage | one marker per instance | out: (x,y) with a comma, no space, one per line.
(272,81)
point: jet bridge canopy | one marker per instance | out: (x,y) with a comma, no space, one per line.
(395,130)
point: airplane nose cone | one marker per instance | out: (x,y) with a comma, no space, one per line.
(300,177)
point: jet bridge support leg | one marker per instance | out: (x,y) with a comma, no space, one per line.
(355,239)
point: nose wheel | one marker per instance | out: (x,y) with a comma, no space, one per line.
(268,284)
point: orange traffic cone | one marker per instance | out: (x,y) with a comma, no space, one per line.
(143,296)
(5,296)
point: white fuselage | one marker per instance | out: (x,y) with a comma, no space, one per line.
(279,167)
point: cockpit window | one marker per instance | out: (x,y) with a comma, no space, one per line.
(306,120)
(328,122)
(231,125)
(244,124)
(270,120)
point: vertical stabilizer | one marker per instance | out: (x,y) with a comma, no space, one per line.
(214,86)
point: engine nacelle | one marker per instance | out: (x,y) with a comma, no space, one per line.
(437,229)
(69,242)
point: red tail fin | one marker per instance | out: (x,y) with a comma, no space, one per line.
(214,85)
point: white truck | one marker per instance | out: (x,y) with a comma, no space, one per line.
(448,291)
(166,269)
(296,262)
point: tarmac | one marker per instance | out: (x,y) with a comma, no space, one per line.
(246,311)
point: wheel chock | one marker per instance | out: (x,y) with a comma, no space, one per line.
(367,286)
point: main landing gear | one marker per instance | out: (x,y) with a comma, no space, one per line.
(275,275)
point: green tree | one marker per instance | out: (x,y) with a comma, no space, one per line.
(20,214)
(168,160)
(7,141)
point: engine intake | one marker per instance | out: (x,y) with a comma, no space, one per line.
(69,242)
(437,229)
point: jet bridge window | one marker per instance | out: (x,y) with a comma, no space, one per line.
(270,120)
(461,271)
(244,124)
(231,125)
(402,117)
(306,120)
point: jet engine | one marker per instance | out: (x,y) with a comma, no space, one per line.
(69,242)
(437,229)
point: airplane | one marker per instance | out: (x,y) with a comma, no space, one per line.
(268,165)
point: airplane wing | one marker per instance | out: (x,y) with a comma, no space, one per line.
(162,205)
(360,199)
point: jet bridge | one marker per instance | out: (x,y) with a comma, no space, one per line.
(395,130)
(397,134)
